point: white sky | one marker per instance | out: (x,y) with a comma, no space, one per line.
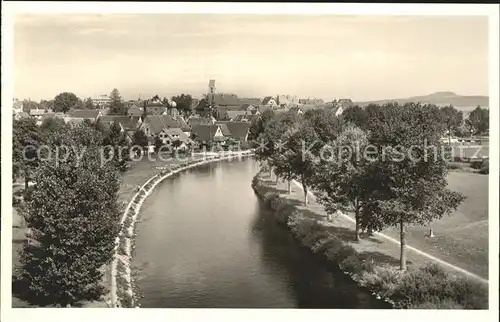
(358,57)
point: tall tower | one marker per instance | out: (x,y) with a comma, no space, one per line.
(211,92)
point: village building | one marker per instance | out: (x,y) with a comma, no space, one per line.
(152,125)
(134,111)
(201,120)
(77,116)
(208,135)
(237,131)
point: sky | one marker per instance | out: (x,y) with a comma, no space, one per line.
(324,56)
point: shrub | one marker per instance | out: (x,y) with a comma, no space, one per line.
(444,304)
(352,264)
(485,167)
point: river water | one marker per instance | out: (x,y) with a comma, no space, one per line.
(206,241)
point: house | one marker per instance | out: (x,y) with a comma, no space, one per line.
(251,101)
(174,112)
(134,111)
(152,125)
(311,101)
(231,114)
(155,108)
(170,135)
(207,134)
(269,101)
(101,101)
(127,123)
(201,121)
(84,114)
(238,130)
(287,101)
(247,107)
(247,118)
(20,115)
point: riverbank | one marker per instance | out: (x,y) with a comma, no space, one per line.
(373,262)
(122,293)
(138,173)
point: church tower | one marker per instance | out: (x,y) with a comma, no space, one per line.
(211,92)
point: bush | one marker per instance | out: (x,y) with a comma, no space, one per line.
(485,167)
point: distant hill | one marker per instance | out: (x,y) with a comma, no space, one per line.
(461,102)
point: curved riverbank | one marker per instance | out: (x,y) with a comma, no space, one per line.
(122,294)
(424,286)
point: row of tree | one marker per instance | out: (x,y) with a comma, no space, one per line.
(476,123)
(382,163)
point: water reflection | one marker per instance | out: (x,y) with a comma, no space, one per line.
(207,241)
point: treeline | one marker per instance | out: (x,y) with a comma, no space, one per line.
(71,211)
(386,164)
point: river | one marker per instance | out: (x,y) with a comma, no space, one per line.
(204,240)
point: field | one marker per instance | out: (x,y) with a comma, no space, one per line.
(460,239)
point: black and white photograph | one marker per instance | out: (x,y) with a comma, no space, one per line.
(172,158)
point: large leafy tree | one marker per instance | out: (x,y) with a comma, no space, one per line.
(183,103)
(65,101)
(355,115)
(285,126)
(89,104)
(47,105)
(341,177)
(72,217)
(26,141)
(258,125)
(50,126)
(452,120)
(302,147)
(116,146)
(140,142)
(409,170)
(479,120)
(116,105)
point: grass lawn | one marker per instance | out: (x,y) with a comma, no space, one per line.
(461,239)
(137,174)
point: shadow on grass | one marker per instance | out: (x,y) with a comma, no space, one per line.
(379,257)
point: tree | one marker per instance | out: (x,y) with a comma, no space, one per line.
(479,120)
(324,122)
(282,160)
(116,105)
(30,105)
(355,115)
(158,144)
(89,104)
(116,143)
(302,148)
(47,105)
(183,103)
(257,127)
(452,120)
(26,140)
(176,145)
(73,220)
(140,142)
(342,175)
(409,171)
(50,126)
(65,101)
